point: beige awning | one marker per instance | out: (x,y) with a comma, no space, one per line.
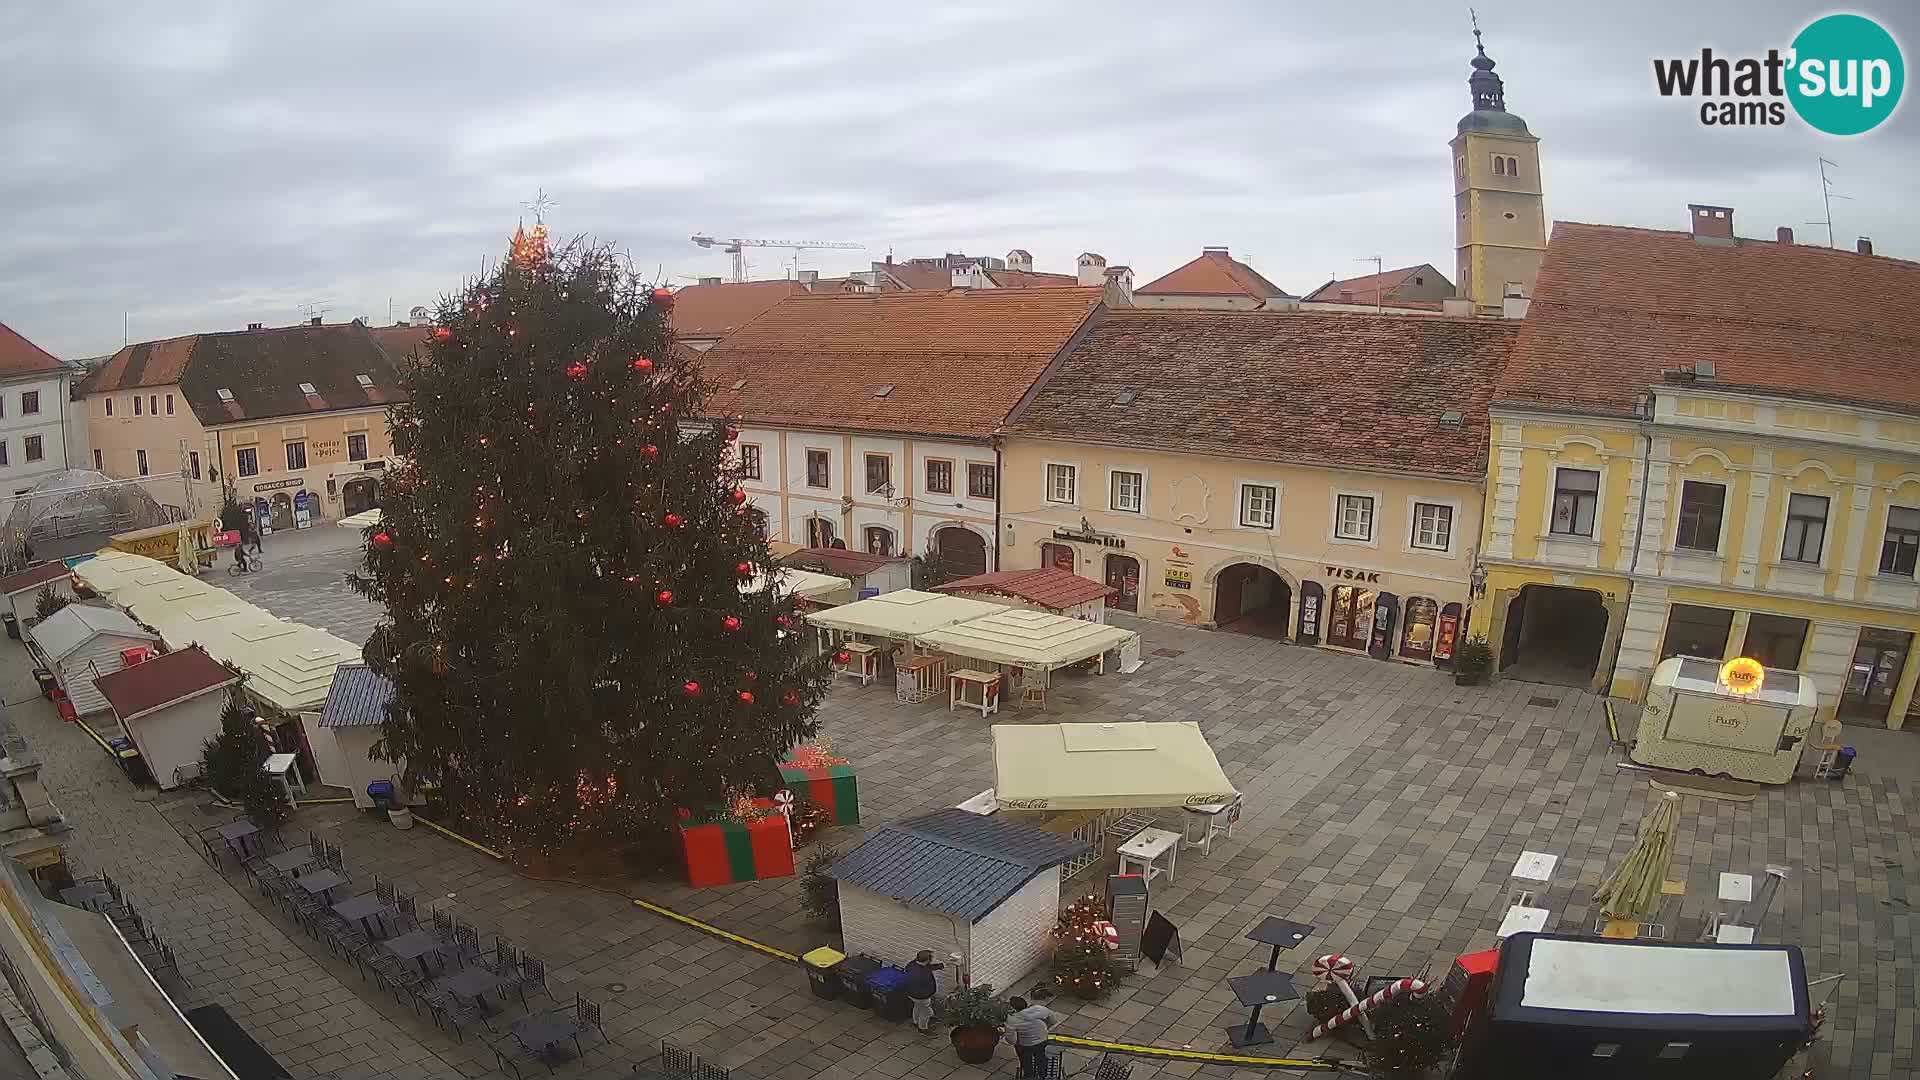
(1105,766)
(360,520)
(1037,640)
(902,615)
(807,584)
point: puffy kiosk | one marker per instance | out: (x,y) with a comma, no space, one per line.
(1734,719)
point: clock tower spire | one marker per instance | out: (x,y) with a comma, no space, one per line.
(1500,227)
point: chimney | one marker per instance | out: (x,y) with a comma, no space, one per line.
(1093,268)
(1020,259)
(315,321)
(1712,224)
(1783,235)
(709,281)
(1215,251)
(1457,307)
(1864,246)
(808,277)
(255,326)
(1119,286)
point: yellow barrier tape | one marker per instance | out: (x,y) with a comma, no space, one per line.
(1193,1055)
(1613,725)
(689,920)
(481,848)
(104,745)
(322,802)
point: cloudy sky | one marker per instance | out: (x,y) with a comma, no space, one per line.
(189,167)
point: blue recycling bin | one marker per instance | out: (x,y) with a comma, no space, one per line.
(381,792)
(1842,762)
(889,986)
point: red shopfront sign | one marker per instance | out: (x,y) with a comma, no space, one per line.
(1444,637)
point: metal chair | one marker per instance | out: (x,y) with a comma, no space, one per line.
(383,890)
(586,1017)
(533,973)
(466,942)
(506,958)
(406,919)
(336,860)
(512,1053)
(442,924)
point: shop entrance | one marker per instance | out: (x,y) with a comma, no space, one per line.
(282,511)
(961,551)
(1350,617)
(360,495)
(1123,577)
(1554,635)
(1878,659)
(1249,599)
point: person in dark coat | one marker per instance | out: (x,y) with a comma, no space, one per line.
(920,988)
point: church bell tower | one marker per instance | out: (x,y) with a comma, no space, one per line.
(1500,228)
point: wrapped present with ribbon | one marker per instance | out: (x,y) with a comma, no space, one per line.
(744,840)
(824,780)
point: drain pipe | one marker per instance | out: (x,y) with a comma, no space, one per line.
(997,541)
(1646,480)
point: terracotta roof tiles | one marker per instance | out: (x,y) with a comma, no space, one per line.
(1214,273)
(18,356)
(1361,290)
(1615,306)
(1332,389)
(163,680)
(262,369)
(1048,586)
(714,311)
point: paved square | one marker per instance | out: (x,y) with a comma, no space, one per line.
(1385,807)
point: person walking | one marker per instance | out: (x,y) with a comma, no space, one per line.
(1030,1028)
(920,987)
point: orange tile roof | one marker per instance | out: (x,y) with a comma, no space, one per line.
(1214,273)
(18,356)
(1028,279)
(1049,586)
(400,342)
(957,359)
(714,311)
(263,369)
(1361,290)
(1615,306)
(1322,388)
(145,363)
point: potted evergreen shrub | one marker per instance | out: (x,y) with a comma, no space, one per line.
(1472,662)
(47,601)
(819,893)
(1082,965)
(1412,1037)
(976,1017)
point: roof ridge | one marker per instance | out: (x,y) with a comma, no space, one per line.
(1755,242)
(1739,320)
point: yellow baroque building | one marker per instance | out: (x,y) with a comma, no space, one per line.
(1709,445)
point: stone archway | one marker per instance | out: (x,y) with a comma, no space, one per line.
(359,495)
(961,551)
(1554,634)
(1252,598)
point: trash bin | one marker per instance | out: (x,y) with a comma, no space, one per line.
(13,625)
(890,994)
(854,973)
(381,792)
(823,971)
(47,683)
(1842,761)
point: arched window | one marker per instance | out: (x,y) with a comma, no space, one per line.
(1499,165)
(879,540)
(1513,166)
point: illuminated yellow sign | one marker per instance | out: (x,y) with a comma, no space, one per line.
(1742,675)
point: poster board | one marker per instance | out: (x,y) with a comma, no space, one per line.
(1161,942)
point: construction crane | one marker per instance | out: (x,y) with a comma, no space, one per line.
(736,247)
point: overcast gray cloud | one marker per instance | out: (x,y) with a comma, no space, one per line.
(199,167)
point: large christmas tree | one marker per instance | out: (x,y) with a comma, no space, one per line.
(561,553)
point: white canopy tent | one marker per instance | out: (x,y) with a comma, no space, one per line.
(1105,767)
(1035,640)
(360,520)
(905,614)
(806,584)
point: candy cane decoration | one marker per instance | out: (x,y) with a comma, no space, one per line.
(1410,988)
(1337,969)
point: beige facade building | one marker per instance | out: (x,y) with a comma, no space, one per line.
(1309,476)
(292,419)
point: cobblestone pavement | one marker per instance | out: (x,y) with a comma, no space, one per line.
(1385,807)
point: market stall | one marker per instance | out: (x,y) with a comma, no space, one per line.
(1735,719)
(81,642)
(365,519)
(1035,642)
(825,590)
(170,707)
(1045,588)
(185,544)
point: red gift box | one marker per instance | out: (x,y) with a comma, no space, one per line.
(825,781)
(728,849)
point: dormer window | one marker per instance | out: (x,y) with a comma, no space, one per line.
(884,392)
(226,395)
(307,389)
(366,381)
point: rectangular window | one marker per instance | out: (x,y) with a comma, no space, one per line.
(879,540)
(1354,518)
(1576,495)
(879,474)
(138,405)
(1697,631)
(153,404)
(819,469)
(1127,491)
(296,456)
(1776,640)
(749,461)
(981,481)
(1258,503)
(357,447)
(3,451)
(1806,529)
(35,448)
(1901,550)
(99,461)
(30,403)
(109,406)
(1702,506)
(939,477)
(1432,526)
(1060,483)
(246,461)
(819,532)
(169,404)
(193,463)
(140,461)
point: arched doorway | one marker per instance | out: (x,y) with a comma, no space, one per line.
(282,511)
(1250,599)
(1057,556)
(1553,635)
(962,551)
(361,494)
(1123,577)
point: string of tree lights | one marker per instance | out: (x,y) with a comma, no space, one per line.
(560,556)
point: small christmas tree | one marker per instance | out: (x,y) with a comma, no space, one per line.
(561,554)
(1410,1036)
(231,762)
(1082,965)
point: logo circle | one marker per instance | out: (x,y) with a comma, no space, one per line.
(1847,74)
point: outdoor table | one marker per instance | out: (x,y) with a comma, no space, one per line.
(542,1033)
(415,945)
(1213,819)
(1736,892)
(1521,919)
(286,769)
(1146,847)
(291,860)
(863,661)
(1532,873)
(321,883)
(86,895)
(987,681)
(1257,991)
(1734,935)
(363,909)
(918,678)
(239,836)
(472,984)
(1279,933)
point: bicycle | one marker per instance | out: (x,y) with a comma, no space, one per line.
(248,563)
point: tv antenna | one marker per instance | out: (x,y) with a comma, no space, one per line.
(1827,195)
(1378,269)
(314,309)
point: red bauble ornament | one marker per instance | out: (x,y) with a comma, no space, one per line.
(750,676)
(576,371)
(642,364)
(664,598)
(746,697)
(791,699)
(690,688)
(671,521)
(441,333)
(733,434)
(731,622)
(743,569)
(663,297)
(843,657)
(783,622)
(738,496)
(652,452)
(382,541)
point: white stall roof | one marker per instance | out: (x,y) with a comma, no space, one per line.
(1105,766)
(360,520)
(76,624)
(1030,639)
(803,583)
(907,613)
(1604,976)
